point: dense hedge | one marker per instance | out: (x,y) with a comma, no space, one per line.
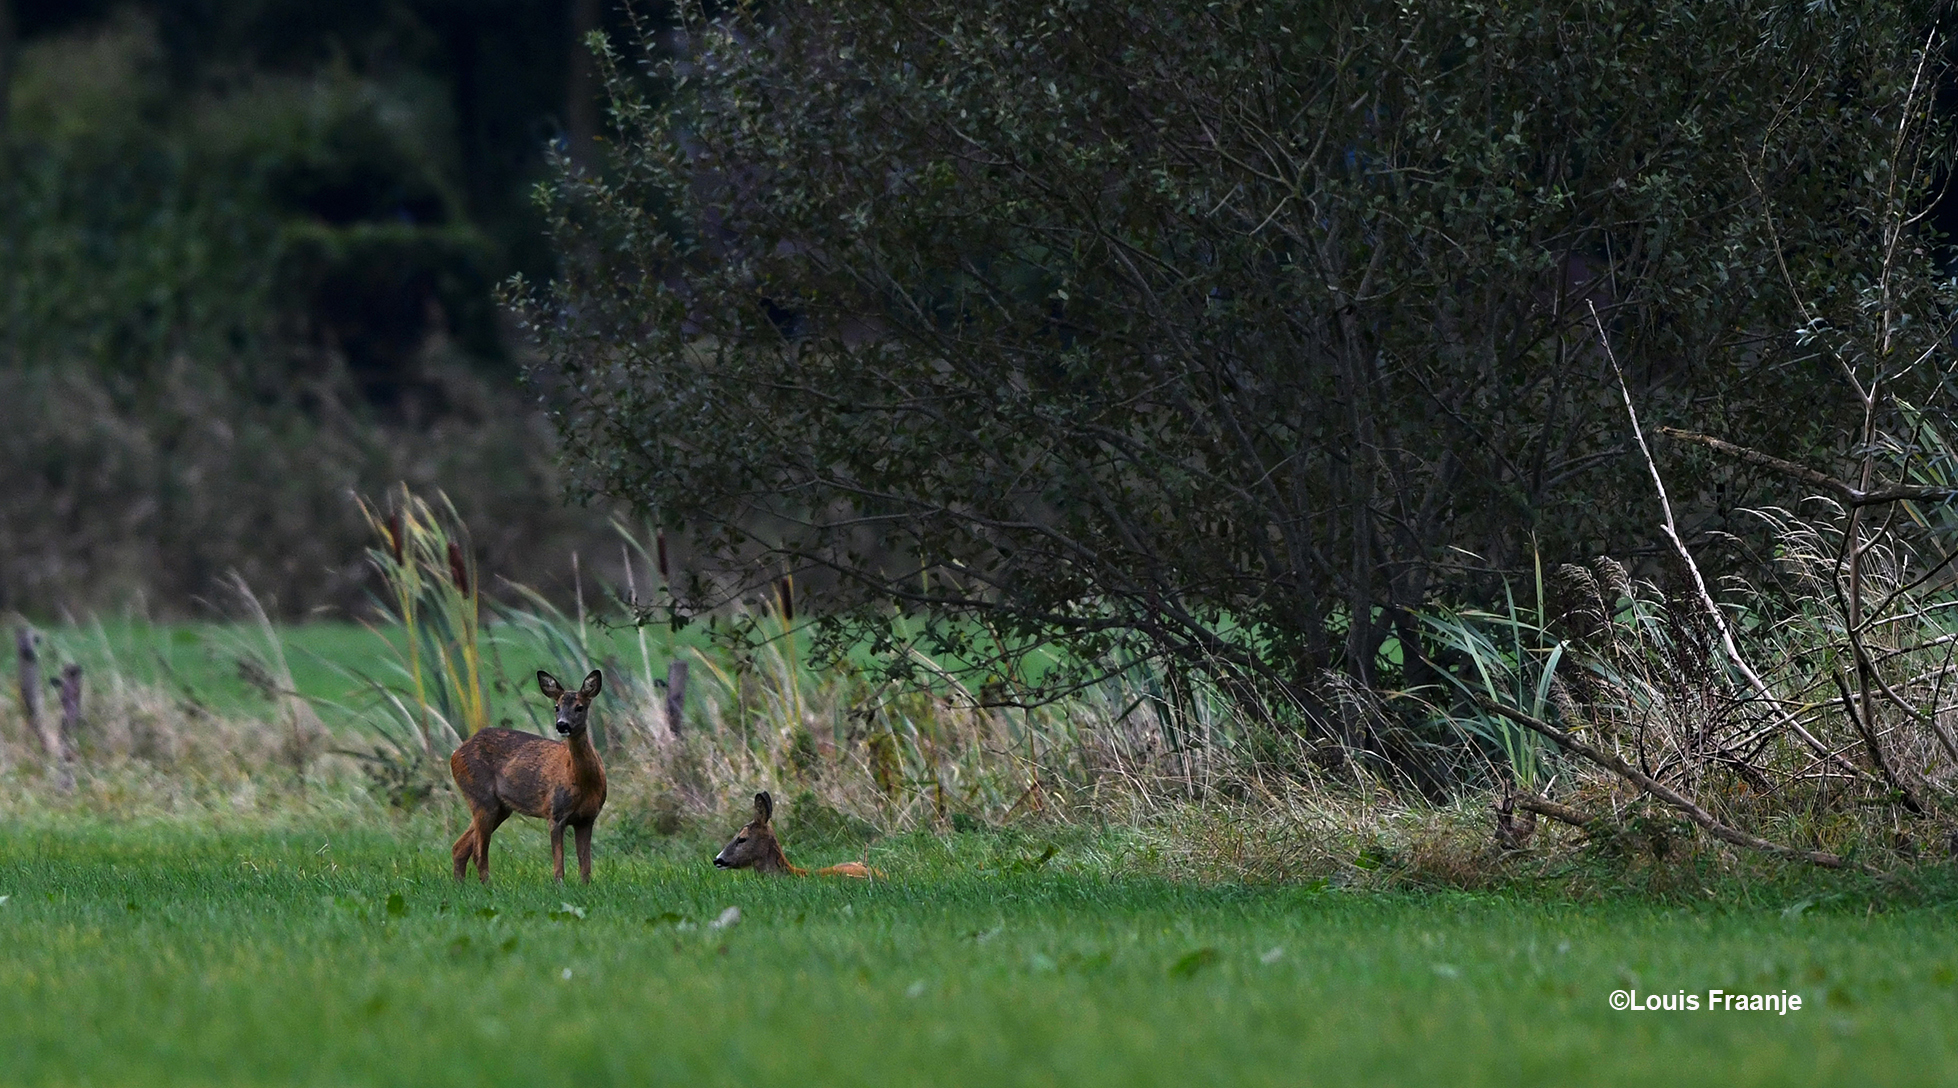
(1236,332)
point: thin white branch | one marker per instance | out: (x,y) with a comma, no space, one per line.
(1699,584)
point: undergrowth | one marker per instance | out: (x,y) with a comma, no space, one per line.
(1178,788)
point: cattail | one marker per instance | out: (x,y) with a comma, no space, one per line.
(394,536)
(1616,579)
(458,569)
(785,589)
(661,544)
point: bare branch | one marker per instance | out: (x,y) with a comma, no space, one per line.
(1849,494)
(1718,618)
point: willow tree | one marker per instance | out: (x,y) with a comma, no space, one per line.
(1233,333)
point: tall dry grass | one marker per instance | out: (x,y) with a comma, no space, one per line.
(852,750)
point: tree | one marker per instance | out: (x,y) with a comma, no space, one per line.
(1233,333)
(7,45)
(246,260)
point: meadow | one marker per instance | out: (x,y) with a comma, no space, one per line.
(1322,556)
(164,953)
(200,662)
(248,882)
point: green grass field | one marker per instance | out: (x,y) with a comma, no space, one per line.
(199,662)
(173,954)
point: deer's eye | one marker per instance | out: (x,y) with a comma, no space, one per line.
(741,839)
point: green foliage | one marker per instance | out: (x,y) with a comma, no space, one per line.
(1508,659)
(1233,334)
(231,291)
(139,225)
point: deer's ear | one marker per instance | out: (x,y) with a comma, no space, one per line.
(593,684)
(548,684)
(764,807)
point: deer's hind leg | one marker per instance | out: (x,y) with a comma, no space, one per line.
(482,827)
(464,851)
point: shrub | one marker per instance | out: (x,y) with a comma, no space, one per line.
(1236,334)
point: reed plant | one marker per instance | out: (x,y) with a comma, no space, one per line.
(431,617)
(1509,657)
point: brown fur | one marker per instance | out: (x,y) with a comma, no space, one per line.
(500,771)
(756,847)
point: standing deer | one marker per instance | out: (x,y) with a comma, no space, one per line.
(756,847)
(501,771)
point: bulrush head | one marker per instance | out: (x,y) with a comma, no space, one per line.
(756,847)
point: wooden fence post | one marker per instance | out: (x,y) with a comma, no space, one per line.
(30,680)
(26,645)
(676,695)
(71,710)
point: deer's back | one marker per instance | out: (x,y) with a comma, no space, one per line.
(855,869)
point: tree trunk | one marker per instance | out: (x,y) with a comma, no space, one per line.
(9,43)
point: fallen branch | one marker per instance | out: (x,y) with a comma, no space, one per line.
(1543,806)
(1660,790)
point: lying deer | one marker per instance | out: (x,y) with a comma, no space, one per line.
(501,771)
(757,848)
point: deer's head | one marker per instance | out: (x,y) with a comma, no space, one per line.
(573,707)
(754,846)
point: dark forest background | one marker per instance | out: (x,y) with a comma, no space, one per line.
(247,260)
(1279,357)
(249,254)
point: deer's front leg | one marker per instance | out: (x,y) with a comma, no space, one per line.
(583,833)
(557,850)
